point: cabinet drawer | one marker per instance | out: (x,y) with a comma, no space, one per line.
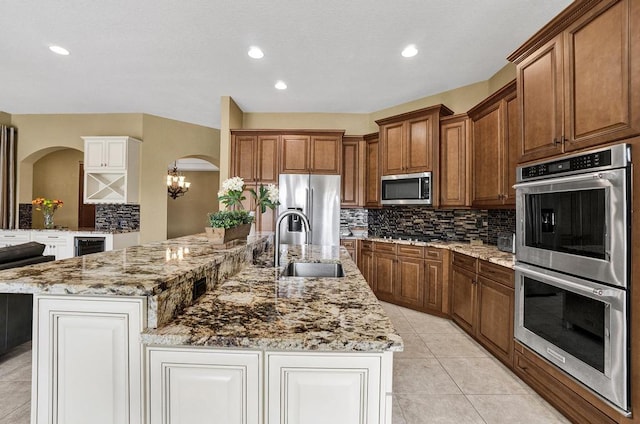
(349,244)
(496,273)
(381,246)
(410,251)
(465,261)
(433,253)
(366,245)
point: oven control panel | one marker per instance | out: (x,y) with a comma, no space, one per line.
(568,165)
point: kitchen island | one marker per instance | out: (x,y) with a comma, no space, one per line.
(119,338)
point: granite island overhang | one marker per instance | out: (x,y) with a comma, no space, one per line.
(255,336)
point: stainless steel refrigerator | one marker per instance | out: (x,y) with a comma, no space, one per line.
(316,196)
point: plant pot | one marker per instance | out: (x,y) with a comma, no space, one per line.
(222,235)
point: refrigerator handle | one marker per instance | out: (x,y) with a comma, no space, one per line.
(310,219)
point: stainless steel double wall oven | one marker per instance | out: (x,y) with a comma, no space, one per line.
(572,266)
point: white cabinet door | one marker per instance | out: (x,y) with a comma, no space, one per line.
(115,153)
(87,360)
(198,386)
(325,388)
(93,154)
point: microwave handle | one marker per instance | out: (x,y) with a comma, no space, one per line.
(561,180)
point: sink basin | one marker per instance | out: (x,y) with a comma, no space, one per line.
(313,269)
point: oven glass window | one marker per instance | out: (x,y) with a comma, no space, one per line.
(406,188)
(568,221)
(574,323)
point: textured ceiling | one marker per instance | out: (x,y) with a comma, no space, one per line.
(175,58)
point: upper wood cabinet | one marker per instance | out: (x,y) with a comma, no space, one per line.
(410,142)
(455,161)
(579,79)
(352,177)
(494,140)
(316,153)
(254,157)
(372,171)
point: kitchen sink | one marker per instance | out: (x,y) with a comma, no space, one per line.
(313,269)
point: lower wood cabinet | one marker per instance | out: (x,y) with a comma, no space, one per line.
(88,360)
(482,303)
(353,247)
(412,276)
(188,385)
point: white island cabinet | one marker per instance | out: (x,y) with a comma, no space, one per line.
(187,386)
(87,360)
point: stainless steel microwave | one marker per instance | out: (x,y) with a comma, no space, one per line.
(407,189)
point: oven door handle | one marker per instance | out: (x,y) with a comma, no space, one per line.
(563,180)
(597,291)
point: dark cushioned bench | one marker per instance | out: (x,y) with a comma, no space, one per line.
(16,310)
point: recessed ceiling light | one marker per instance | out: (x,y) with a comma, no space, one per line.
(410,51)
(255,52)
(59,50)
(280,85)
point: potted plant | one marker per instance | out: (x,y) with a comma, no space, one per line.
(225,226)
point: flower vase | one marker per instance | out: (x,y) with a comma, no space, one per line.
(48,219)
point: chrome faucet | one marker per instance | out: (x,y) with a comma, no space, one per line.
(283,215)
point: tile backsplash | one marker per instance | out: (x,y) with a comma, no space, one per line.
(113,217)
(419,221)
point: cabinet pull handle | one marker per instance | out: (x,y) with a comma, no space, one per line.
(556,141)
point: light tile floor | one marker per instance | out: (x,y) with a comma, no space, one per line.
(443,376)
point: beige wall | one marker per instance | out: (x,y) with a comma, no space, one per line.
(5,118)
(502,77)
(56,176)
(164,141)
(188,214)
(39,135)
(231,117)
(352,123)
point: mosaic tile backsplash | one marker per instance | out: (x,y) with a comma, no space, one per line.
(501,221)
(352,218)
(417,221)
(114,217)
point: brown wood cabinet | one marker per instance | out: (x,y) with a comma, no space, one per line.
(579,79)
(365,262)
(372,171)
(316,153)
(494,140)
(263,221)
(412,276)
(410,142)
(410,281)
(482,303)
(455,161)
(353,172)
(254,157)
(353,247)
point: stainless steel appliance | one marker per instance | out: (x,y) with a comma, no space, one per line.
(572,214)
(578,325)
(316,196)
(572,266)
(406,189)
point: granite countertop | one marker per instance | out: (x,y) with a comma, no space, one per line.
(161,271)
(485,252)
(258,309)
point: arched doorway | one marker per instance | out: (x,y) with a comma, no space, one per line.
(188,214)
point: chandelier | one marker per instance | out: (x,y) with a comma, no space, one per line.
(176,183)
